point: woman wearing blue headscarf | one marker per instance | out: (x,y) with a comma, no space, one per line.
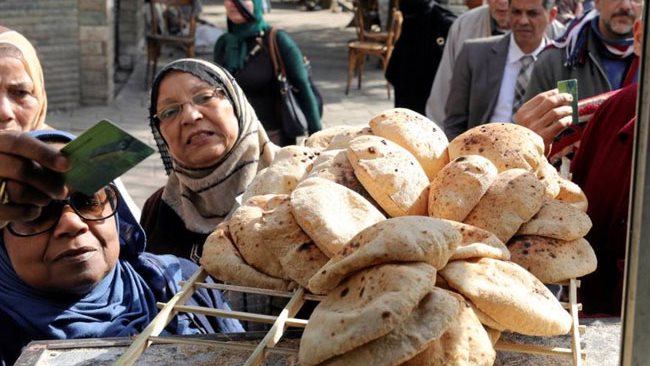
(79,271)
(244,52)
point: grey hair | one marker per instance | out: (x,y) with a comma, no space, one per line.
(546,4)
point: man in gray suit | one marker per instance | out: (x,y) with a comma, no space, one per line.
(490,76)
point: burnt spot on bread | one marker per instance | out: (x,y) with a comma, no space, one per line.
(344,292)
(372,150)
(524,252)
(384,142)
(461,158)
(306,246)
(385,315)
(363,289)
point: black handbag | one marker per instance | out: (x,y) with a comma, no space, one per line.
(294,121)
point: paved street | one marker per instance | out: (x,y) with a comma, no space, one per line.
(322,36)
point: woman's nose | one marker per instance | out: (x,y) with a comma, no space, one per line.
(70,224)
(191,113)
(6,109)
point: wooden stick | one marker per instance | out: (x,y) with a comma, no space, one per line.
(233,345)
(567,305)
(576,347)
(255,290)
(276,331)
(534,349)
(259,318)
(161,320)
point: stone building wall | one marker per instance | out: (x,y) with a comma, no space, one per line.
(53,28)
(77,43)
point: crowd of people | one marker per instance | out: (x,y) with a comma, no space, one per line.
(78,266)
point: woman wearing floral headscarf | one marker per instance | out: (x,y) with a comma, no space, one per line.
(244,52)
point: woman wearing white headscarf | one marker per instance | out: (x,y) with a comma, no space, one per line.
(212,145)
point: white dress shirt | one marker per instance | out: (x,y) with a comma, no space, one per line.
(503,108)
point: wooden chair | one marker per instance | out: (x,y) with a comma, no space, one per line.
(171,22)
(360,49)
(364,34)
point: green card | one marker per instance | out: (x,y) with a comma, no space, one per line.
(101,154)
(570,86)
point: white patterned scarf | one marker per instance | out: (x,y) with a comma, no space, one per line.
(202,198)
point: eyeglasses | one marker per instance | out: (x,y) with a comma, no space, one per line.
(205,98)
(100,206)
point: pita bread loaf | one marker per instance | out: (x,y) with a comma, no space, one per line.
(510,295)
(391,175)
(330,213)
(343,139)
(513,199)
(301,262)
(222,261)
(553,260)
(401,239)
(549,176)
(334,165)
(417,134)
(493,334)
(321,140)
(465,343)
(290,165)
(477,242)
(263,229)
(485,319)
(507,145)
(435,314)
(557,220)
(459,186)
(572,194)
(366,306)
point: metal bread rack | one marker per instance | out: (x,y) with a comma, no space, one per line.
(287,319)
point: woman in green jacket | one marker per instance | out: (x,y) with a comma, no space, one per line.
(244,52)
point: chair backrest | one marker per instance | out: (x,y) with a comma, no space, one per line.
(174,18)
(359,23)
(394,31)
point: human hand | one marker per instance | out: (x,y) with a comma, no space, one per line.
(31,172)
(546,114)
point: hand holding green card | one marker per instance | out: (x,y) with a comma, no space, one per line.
(570,86)
(101,154)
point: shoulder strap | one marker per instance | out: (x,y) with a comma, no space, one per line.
(276,58)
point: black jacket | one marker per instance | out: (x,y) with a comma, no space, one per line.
(417,53)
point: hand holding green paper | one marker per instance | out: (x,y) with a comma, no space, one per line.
(101,154)
(571,86)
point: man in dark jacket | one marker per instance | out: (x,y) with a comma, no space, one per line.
(418,51)
(596,49)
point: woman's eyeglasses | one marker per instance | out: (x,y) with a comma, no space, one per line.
(172,112)
(97,207)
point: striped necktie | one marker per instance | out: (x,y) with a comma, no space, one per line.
(522,82)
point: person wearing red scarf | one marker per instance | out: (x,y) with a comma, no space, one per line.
(602,167)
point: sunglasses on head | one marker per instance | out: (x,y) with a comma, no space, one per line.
(99,206)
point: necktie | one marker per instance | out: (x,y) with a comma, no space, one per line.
(522,82)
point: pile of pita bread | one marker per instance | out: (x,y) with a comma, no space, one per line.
(424,249)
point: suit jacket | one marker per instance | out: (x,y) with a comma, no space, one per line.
(475,83)
(475,23)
